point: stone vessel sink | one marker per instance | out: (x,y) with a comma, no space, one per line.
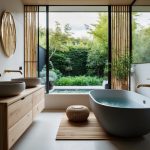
(11,88)
(30,82)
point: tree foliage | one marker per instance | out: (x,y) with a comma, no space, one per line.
(78,56)
(97,58)
(58,40)
(42,37)
(141,44)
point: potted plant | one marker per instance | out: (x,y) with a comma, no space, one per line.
(121,70)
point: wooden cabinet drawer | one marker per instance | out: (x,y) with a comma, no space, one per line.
(18,109)
(38,96)
(18,129)
(38,108)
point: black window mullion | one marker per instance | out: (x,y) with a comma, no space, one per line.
(109,47)
(47,49)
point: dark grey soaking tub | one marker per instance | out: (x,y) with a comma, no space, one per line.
(121,113)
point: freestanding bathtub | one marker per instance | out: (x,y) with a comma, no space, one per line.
(121,113)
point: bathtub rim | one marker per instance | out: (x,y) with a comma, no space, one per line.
(114,107)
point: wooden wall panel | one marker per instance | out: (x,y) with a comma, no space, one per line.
(31,13)
(120,40)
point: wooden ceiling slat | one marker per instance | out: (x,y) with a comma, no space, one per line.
(142,2)
(77,2)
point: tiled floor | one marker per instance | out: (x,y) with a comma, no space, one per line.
(41,136)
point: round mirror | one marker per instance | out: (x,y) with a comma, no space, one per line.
(8,33)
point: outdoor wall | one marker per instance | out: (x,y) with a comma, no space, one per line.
(141,75)
(16,61)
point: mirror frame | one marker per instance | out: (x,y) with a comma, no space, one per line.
(11,29)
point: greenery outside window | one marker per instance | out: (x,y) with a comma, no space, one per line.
(141,34)
(78,46)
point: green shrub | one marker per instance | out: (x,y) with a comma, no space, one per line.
(72,62)
(79,81)
(54,74)
(78,57)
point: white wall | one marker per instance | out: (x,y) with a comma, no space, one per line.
(62,101)
(141,75)
(14,62)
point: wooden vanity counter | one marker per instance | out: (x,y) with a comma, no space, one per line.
(17,114)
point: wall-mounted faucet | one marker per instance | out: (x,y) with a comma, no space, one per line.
(143,85)
(9,71)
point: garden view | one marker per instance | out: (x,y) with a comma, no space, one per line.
(141,36)
(77,60)
(78,47)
